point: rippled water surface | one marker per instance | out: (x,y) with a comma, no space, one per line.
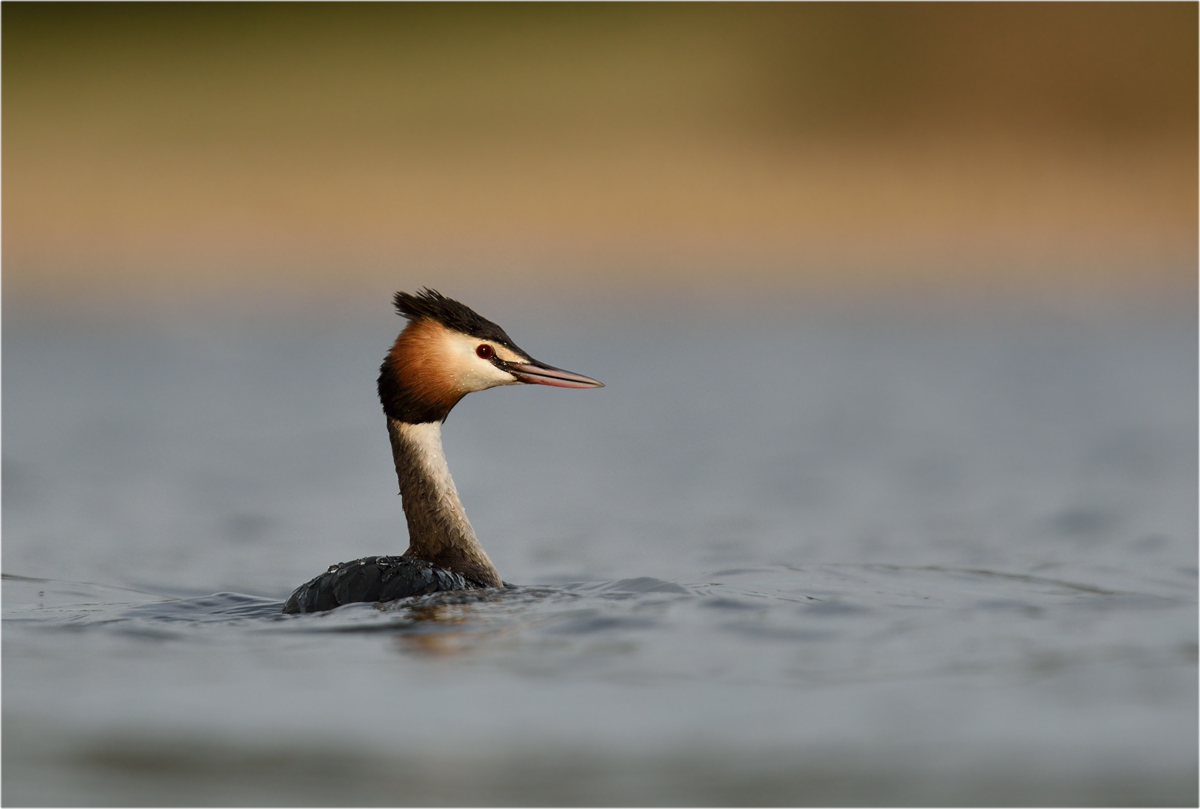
(777,560)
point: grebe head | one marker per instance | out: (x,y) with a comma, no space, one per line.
(446,351)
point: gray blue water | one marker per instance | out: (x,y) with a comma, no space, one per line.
(779,559)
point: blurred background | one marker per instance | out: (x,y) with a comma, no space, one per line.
(890,499)
(321,152)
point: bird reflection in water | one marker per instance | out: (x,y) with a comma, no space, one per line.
(450,625)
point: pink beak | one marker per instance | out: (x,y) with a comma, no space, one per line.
(546,375)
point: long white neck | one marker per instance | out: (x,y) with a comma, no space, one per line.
(438,530)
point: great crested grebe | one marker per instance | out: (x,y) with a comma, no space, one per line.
(445,352)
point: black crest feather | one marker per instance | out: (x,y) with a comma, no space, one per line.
(431,304)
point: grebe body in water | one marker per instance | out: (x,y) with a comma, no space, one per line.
(445,352)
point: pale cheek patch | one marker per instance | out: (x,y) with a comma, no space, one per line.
(470,371)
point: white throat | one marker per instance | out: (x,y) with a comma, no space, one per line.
(426,441)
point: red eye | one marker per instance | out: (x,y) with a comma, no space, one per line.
(485,351)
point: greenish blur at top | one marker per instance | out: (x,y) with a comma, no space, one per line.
(840,146)
(1116,68)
